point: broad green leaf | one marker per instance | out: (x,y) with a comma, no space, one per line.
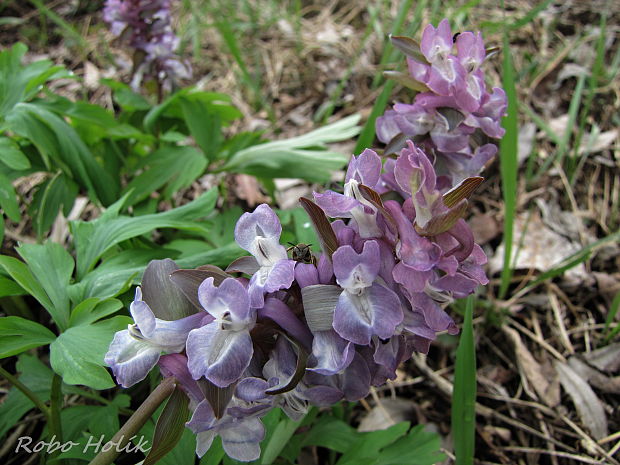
(220,103)
(18,334)
(94,238)
(55,194)
(368,446)
(126,98)
(204,125)
(9,287)
(21,82)
(93,309)
(38,378)
(23,276)
(116,274)
(8,200)
(77,354)
(221,257)
(299,157)
(12,156)
(177,166)
(52,266)
(56,139)
(331,433)
(418,447)
(280,437)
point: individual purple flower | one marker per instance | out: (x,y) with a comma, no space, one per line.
(259,233)
(352,384)
(241,436)
(221,350)
(365,307)
(136,350)
(364,169)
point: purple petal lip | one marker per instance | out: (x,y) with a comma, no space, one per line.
(374,311)
(219,355)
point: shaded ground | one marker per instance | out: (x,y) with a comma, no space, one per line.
(544,366)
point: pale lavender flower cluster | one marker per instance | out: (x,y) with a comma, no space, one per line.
(145,26)
(455,116)
(273,331)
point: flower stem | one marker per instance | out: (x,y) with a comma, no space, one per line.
(56,401)
(136,421)
(36,400)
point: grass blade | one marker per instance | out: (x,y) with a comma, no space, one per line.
(464,394)
(508,163)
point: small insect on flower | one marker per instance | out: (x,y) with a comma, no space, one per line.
(302,253)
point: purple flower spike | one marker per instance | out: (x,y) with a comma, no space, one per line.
(259,233)
(222,350)
(365,308)
(135,351)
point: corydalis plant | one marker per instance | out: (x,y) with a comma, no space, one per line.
(270,331)
(145,26)
(453,116)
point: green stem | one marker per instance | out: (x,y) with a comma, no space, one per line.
(56,401)
(136,421)
(36,400)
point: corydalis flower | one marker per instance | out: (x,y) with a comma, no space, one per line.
(366,170)
(145,25)
(259,233)
(221,350)
(456,113)
(135,351)
(365,307)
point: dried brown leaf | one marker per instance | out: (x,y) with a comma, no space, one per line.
(545,389)
(589,408)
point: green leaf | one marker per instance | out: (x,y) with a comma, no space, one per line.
(221,257)
(299,157)
(35,375)
(19,82)
(115,275)
(177,166)
(280,437)
(126,98)
(55,194)
(331,433)
(171,107)
(508,152)
(22,275)
(93,309)
(464,395)
(12,156)
(204,125)
(170,426)
(368,446)
(8,200)
(418,447)
(77,354)
(94,238)
(18,334)
(9,287)
(54,138)
(43,258)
